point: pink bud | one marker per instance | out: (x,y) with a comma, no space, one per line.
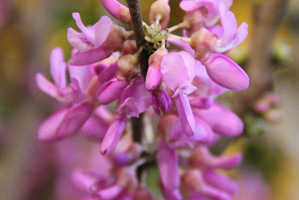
(117,10)
(160,10)
(153,76)
(202,42)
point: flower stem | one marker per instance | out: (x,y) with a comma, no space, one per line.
(136,17)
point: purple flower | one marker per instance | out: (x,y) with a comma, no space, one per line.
(60,90)
(177,73)
(134,100)
(231,36)
(91,37)
(211,16)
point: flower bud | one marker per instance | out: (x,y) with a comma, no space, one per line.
(194,21)
(116,38)
(160,10)
(129,47)
(117,10)
(202,42)
(153,76)
(128,66)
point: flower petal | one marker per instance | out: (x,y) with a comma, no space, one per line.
(174,70)
(168,166)
(112,136)
(90,56)
(58,68)
(221,182)
(46,86)
(101,30)
(226,72)
(110,91)
(65,122)
(137,90)
(185,113)
(221,120)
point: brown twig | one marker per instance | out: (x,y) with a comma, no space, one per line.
(267,18)
(136,17)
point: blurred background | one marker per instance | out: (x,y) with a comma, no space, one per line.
(30,29)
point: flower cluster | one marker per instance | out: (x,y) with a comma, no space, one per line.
(179,90)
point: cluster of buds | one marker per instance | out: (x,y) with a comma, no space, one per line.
(178,90)
(268,106)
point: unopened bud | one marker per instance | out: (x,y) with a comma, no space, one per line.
(129,47)
(201,42)
(116,38)
(128,66)
(160,10)
(153,76)
(194,21)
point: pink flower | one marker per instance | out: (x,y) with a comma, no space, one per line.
(60,90)
(91,37)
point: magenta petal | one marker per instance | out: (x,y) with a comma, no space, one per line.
(46,86)
(195,196)
(94,128)
(178,138)
(81,26)
(110,192)
(112,136)
(110,91)
(129,108)
(184,45)
(221,120)
(65,122)
(78,40)
(137,90)
(101,30)
(185,113)
(108,73)
(117,10)
(174,71)
(84,180)
(153,78)
(168,166)
(171,194)
(228,162)
(161,101)
(226,72)
(58,67)
(229,23)
(82,74)
(90,56)
(191,5)
(189,63)
(220,181)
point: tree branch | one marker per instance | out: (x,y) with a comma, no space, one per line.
(136,17)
